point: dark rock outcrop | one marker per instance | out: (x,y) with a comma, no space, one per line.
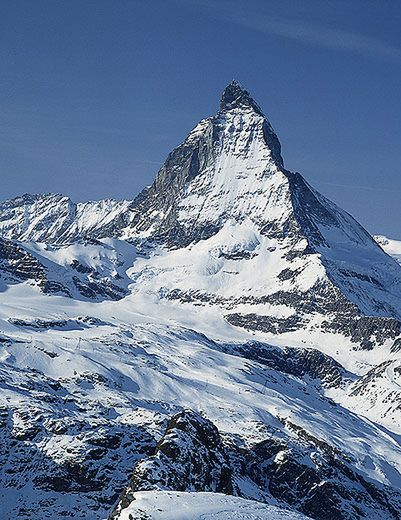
(189,457)
(300,471)
(298,362)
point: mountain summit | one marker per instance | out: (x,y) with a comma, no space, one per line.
(229,173)
(234,96)
(227,179)
(224,169)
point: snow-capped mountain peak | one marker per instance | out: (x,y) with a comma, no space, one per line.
(235,96)
(229,167)
(227,178)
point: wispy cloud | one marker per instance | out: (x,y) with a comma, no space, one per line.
(304,31)
(158,163)
(357,187)
(324,36)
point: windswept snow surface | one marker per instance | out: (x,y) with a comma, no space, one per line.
(391,246)
(125,364)
(56,218)
(164,505)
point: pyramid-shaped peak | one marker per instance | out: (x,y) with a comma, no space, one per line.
(235,96)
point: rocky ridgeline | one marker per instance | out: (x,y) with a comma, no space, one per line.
(74,281)
(307,473)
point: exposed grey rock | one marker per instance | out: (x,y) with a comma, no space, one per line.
(295,361)
(303,472)
(268,324)
(19,265)
(189,457)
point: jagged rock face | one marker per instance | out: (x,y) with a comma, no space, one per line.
(227,168)
(75,466)
(294,361)
(36,217)
(41,266)
(315,478)
(377,393)
(230,167)
(19,264)
(189,457)
(304,472)
(56,219)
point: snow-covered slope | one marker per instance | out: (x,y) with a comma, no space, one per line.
(94,270)
(88,389)
(230,330)
(390,246)
(56,219)
(165,505)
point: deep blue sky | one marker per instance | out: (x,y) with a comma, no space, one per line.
(95,93)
